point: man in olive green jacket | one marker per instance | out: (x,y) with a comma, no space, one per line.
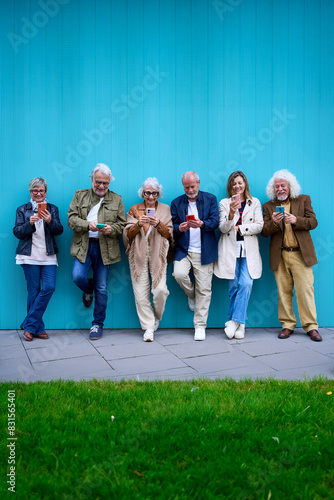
(97,218)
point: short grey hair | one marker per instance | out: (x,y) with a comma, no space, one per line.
(37,181)
(289,178)
(150,181)
(188,174)
(104,169)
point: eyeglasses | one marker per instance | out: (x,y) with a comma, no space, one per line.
(38,191)
(105,183)
(155,194)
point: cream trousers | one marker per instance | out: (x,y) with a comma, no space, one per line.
(293,272)
(201,290)
(141,290)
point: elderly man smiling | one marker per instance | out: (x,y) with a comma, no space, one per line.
(291,251)
(195,218)
(97,218)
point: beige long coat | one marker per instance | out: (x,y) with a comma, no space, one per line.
(252,223)
(158,242)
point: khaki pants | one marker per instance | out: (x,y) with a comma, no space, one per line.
(293,272)
(141,290)
(201,291)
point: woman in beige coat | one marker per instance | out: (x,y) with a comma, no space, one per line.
(146,238)
(239,259)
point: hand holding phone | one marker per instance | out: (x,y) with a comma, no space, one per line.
(280,210)
(100,226)
(236,198)
(150,212)
(190,217)
(41,208)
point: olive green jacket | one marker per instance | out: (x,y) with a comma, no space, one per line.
(111,212)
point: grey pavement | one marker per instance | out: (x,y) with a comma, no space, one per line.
(174,355)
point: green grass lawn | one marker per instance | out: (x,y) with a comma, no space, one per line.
(170,440)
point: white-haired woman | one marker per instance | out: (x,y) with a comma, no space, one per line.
(36,226)
(146,237)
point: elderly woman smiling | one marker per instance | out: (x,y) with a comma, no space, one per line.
(36,226)
(146,238)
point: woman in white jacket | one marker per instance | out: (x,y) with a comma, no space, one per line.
(239,259)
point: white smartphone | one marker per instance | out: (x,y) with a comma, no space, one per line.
(236,197)
(150,212)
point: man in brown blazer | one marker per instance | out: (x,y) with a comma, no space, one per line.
(291,253)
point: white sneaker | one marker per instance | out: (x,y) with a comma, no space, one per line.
(240,332)
(191,304)
(148,336)
(230,328)
(199,334)
(156,324)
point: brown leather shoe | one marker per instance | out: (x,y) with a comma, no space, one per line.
(285,333)
(43,335)
(27,336)
(315,335)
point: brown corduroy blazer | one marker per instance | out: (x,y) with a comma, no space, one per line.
(301,207)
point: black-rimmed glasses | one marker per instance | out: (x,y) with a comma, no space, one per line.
(155,194)
(38,191)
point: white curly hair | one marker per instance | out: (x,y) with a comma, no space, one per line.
(150,181)
(289,178)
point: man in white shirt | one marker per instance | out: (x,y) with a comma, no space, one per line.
(195,218)
(96,216)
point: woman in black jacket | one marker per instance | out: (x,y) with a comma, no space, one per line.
(37,222)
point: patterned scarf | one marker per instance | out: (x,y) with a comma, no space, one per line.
(35,204)
(35,209)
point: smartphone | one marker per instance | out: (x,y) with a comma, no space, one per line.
(236,197)
(190,217)
(150,212)
(280,209)
(41,208)
(100,226)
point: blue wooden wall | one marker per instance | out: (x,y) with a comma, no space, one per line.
(155,88)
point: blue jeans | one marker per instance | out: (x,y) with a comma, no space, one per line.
(41,283)
(239,292)
(100,277)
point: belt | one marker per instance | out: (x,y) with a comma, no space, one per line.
(291,249)
(94,240)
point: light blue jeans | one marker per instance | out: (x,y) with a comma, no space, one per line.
(239,292)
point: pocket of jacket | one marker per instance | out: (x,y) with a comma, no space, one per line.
(110,215)
(83,212)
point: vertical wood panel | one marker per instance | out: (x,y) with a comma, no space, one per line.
(183,68)
(199,87)
(324,173)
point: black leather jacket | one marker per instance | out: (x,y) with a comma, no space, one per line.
(24,230)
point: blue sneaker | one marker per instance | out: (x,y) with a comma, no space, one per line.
(96,332)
